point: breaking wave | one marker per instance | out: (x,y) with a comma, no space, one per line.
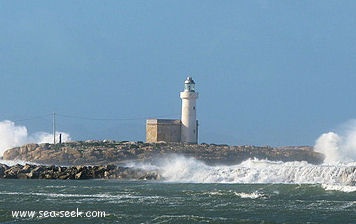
(14,162)
(177,168)
(337,173)
(338,146)
(253,195)
(12,135)
(258,171)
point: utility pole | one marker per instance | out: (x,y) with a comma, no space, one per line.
(54,128)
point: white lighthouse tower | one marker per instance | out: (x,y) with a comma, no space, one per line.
(189,128)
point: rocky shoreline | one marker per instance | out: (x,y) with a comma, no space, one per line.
(96,153)
(30,171)
(90,159)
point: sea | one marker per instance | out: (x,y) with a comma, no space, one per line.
(189,191)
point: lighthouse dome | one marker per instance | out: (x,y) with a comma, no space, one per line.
(189,80)
(189,84)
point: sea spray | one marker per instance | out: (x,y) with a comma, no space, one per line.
(12,135)
(14,162)
(338,147)
(178,168)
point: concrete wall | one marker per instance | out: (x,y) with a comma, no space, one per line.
(151,130)
(163,130)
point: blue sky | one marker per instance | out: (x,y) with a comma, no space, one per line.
(268,72)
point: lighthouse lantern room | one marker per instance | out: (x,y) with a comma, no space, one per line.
(189,85)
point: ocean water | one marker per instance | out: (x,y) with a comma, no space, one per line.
(255,191)
(159,202)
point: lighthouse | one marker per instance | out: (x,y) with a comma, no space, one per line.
(174,130)
(189,125)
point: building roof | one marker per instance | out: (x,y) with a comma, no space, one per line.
(189,80)
(163,121)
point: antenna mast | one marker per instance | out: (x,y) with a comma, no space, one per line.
(54,128)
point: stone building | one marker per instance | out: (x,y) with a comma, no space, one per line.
(184,130)
(163,130)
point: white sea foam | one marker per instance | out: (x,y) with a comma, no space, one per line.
(83,196)
(253,195)
(337,173)
(176,168)
(343,188)
(338,147)
(14,162)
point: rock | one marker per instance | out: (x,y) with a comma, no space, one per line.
(2,171)
(65,176)
(104,152)
(22,176)
(106,174)
(11,154)
(149,176)
(30,171)
(27,168)
(12,172)
(84,173)
(47,176)
(79,176)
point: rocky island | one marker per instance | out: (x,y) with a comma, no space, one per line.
(90,159)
